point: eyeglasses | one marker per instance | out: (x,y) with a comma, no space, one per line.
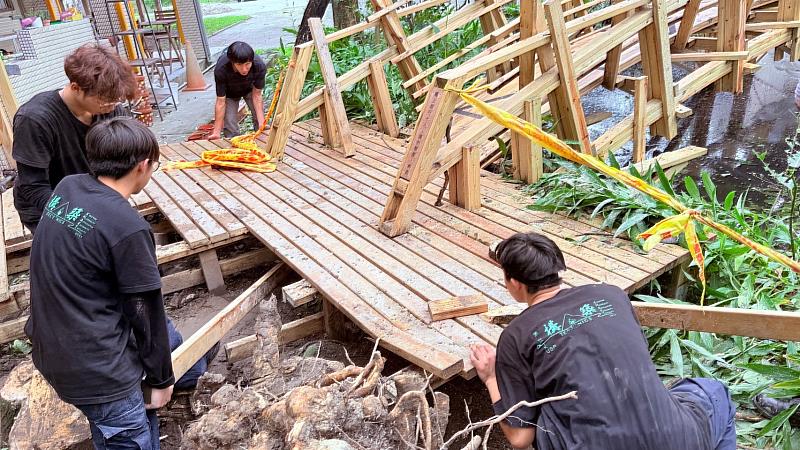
(155,165)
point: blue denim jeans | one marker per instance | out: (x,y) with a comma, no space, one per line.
(124,423)
(714,399)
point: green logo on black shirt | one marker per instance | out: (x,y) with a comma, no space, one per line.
(585,314)
(75,219)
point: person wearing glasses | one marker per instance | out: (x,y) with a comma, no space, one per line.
(97,322)
(588,339)
(50,129)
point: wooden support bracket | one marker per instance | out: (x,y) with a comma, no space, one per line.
(287,102)
(393,29)
(525,155)
(382,100)
(570,112)
(639,118)
(333,96)
(330,132)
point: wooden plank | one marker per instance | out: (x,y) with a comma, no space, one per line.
(527,156)
(395,35)
(13,329)
(639,123)
(444,62)
(382,100)
(330,132)
(189,204)
(673,158)
(209,334)
(465,180)
(572,118)
(290,332)
(686,25)
(12,225)
(463,305)
(193,236)
(731,38)
(333,96)
(286,108)
(212,272)
(531,22)
(611,65)
(698,80)
(709,56)
(8,108)
(299,293)
(759,26)
(283,238)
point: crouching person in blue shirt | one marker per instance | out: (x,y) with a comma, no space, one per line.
(100,335)
(587,339)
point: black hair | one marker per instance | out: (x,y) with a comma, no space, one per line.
(115,146)
(240,52)
(532,259)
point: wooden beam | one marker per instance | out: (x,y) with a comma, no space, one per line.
(393,29)
(611,66)
(209,334)
(382,100)
(639,123)
(465,179)
(192,277)
(465,305)
(330,132)
(572,116)
(287,102)
(759,26)
(702,43)
(671,159)
(293,331)
(686,25)
(333,95)
(710,56)
(299,293)
(13,329)
(654,45)
(8,108)
(531,23)
(731,38)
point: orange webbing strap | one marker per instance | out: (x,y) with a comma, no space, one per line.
(245,154)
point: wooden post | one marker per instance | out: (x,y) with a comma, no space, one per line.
(731,38)
(334,322)
(789,11)
(491,22)
(333,96)
(417,164)
(639,118)
(654,44)
(531,22)
(330,132)
(287,103)
(611,66)
(8,108)
(525,155)
(382,100)
(212,272)
(465,179)
(686,25)
(393,29)
(571,112)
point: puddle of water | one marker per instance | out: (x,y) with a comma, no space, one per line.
(732,127)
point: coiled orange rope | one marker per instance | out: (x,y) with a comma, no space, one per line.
(245,154)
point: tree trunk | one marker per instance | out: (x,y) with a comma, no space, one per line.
(314,8)
(345,13)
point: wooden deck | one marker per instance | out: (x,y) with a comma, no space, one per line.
(319,211)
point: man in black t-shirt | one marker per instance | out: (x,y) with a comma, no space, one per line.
(587,339)
(239,74)
(97,321)
(50,129)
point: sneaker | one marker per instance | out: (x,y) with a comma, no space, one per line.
(770,407)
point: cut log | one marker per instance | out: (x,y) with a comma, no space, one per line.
(457,307)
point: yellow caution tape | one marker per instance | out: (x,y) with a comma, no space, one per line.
(245,154)
(683,222)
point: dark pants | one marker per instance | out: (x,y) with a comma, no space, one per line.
(713,397)
(124,423)
(232,115)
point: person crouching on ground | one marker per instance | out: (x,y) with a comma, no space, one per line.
(587,339)
(239,74)
(98,327)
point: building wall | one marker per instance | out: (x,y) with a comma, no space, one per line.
(46,70)
(193,30)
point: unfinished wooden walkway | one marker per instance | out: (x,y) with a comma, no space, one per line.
(319,213)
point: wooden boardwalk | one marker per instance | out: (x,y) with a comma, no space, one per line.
(319,211)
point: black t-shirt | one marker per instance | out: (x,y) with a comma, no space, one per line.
(48,136)
(90,251)
(233,85)
(587,339)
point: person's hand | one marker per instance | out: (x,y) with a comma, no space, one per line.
(159,397)
(213,135)
(482,358)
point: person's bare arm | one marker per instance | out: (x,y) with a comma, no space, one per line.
(258,104)
(483,359)
(219,118)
